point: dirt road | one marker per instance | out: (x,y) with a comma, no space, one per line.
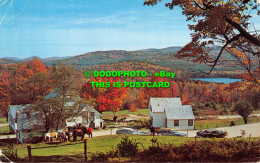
(3,125)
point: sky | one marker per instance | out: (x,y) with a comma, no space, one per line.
(48,28)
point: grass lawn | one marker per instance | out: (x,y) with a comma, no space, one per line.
(73,151)
(4,129)
(123,113)
(213,123)
(3,120)
(256,112)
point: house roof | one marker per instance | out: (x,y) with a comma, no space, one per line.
(90,108)
(24,121)
(160,104)
(172,107)
(16,108)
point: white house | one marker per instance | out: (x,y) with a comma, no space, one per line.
(170,113)
(88,116)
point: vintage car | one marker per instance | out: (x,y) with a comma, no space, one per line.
(211,133)
(170,132)
(125,131)
(131,131)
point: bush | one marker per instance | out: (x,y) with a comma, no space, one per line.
(99,157)
(127,147)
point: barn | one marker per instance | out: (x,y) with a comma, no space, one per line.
(88,116)
(170,113)
(23,122)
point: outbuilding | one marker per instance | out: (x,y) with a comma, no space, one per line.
(23,122)
(170,113)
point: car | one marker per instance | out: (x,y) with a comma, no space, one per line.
(141,133)
(170,132)
(125,131)
(211,133)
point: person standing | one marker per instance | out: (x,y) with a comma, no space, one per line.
(90,132)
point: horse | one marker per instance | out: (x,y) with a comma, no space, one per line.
(122,119)
(62,136)
(79,132)
(51,136)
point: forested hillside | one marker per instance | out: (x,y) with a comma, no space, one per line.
(163,58)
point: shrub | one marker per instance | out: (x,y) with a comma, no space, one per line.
(99,157)
(127,147)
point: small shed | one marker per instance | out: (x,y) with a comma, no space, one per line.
(170,113)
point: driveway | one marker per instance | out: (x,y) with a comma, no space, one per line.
(234,131)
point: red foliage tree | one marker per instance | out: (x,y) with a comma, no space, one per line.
(106,98)
(4,92)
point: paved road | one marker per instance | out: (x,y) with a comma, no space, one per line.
(234,131)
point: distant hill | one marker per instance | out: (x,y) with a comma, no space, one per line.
(164,57)
(13,58)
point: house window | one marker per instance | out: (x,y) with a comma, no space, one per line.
(190,122)
(176,122)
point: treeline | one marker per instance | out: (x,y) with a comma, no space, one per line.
(25,83)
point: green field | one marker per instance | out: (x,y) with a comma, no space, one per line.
(3,120)
(74,150)
(123,113)
(214,123)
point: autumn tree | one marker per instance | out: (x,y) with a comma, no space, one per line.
(67,82)
(244,109)
(157,91)
(222,23)
(64,100)
(27,82)
(105,98)
(4,92)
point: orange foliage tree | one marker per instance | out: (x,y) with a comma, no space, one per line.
(106,98)
(4,92)
(28,81)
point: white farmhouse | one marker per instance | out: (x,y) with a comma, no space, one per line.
(170,113)
(88,116)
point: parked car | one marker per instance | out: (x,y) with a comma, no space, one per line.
(125,131)
(210,133)
(141,132)
(131,131)
(171,132)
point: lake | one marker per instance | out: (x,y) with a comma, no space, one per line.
(218,80)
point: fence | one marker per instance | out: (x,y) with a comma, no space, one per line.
(29,149)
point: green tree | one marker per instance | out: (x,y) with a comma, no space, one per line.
(66,94)
(244,109)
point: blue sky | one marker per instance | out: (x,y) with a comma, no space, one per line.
(47,28)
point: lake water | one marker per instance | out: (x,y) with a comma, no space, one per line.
(218,80)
